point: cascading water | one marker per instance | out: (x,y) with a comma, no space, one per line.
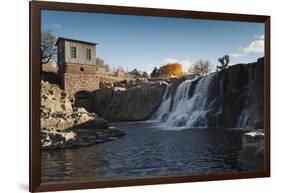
(182,110)
(244,118)
(164,109)
(232,98)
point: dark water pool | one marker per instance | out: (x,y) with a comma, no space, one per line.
(146,151)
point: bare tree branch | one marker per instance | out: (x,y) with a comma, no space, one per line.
(48,48)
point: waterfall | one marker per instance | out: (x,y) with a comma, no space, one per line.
(188,110)
(244,118)
(232,98)
(164,108)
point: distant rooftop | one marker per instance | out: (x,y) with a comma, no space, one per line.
(73,40)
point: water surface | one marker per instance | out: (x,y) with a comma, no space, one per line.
(146,151)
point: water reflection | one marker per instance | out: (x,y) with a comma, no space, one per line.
(146,151)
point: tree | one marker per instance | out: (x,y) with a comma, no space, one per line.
(224,62)
(169,70)
(200,68)
(155,73)
(135,73)
(145,74)
(100,62)
(48,48)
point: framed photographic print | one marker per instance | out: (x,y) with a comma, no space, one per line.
(123,96)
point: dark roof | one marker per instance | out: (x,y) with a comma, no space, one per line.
(73,40)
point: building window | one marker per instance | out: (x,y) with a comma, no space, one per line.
(88,54)
(73,52)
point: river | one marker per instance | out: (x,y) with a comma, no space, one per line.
(146,151)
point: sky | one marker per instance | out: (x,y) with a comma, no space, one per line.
(145,42)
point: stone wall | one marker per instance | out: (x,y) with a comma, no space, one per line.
(102,70)
(78,69)
(120,73)
(74,83)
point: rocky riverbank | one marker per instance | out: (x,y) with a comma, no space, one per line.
(63,125)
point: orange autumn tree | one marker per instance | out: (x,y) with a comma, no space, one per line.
(169,70)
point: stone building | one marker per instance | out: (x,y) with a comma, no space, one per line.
(78,72)
(77,65)
(120,73)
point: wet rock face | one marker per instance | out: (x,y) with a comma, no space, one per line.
(102,99)
(256,81)
(128,104)
(242,92)
(233,94)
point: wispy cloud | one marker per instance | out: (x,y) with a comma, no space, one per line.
(255,46)
(259,36)
(57,26)
(237,55)
(186,63)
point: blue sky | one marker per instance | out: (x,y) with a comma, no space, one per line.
(144,42)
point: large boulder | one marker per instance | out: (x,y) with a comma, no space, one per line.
(63,125)
(54,99)
(78,117)
(52,138)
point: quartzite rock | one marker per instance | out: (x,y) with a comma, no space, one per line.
(64,126)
